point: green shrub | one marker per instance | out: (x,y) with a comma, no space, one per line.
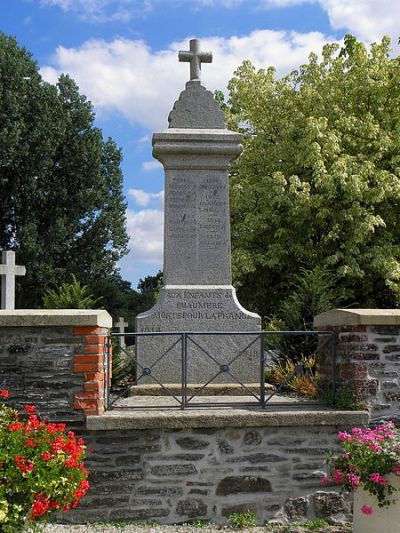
(69,296)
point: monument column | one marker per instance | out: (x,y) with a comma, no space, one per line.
(197,296)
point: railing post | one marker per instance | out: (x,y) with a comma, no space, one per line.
(334,342)
(107,384)
(262,372)
(184,370)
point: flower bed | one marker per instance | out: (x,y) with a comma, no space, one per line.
(41,467)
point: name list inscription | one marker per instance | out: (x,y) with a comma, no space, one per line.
(197,210)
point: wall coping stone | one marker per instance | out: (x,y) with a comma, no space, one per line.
(55,317)
(356,317)
(222,418)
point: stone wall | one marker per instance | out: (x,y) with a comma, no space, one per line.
(55,360)
(368,356)
(175,476)
(169,465)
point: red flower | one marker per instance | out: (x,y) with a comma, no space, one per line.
(29,408)
(33,421)
(84,484)
(40,506)
(4,393)
(46,456)
(22,464)
(30,443)
(15,426)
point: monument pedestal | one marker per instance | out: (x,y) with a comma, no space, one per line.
(196,309)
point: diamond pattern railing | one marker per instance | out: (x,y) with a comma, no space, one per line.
(135,373)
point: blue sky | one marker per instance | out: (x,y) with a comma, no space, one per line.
(123,55)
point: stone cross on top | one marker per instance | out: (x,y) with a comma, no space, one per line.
(8,271)
(195,57)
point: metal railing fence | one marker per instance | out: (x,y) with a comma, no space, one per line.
(135,373)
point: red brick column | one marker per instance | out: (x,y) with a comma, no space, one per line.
(91,362)
(353,352)
(367,356)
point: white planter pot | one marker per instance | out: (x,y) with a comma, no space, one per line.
(383,520)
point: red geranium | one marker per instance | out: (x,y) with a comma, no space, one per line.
(41,467)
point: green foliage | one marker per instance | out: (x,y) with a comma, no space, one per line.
(344,398)
(123,364)
(146,523)
(199,522)
(69,296)
(242,520)
(62,207)
(312,292)
(314,525)
(317,187)
(149,288)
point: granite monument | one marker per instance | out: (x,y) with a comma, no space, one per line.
(198,295)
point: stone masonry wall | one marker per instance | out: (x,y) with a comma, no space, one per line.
(177,475)
(368,359)
(59,369)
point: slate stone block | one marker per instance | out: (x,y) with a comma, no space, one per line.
(328,503)
(191,507)
(189,443)
(296,508)
(173,470)
(137,514)
(259,458)
(242,484)
(252,438)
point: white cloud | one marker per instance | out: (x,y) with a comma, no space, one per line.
(145,229)
(127,76)
(149,166)
(368,19)
(144,199)
(103,10)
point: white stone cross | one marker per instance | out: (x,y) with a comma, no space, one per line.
(195,57)
(121,325)
(8,271)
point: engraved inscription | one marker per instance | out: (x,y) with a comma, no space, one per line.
(212,214)
(199,305)
(181,202)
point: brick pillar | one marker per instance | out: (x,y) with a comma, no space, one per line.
(56,359)
(368,351)
(91,363)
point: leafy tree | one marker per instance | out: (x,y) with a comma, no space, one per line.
(62,207)
(149,288)
(318,184)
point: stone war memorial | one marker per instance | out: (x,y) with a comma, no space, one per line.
(155,461)
(198,295)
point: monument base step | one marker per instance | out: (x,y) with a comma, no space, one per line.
(213,389)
